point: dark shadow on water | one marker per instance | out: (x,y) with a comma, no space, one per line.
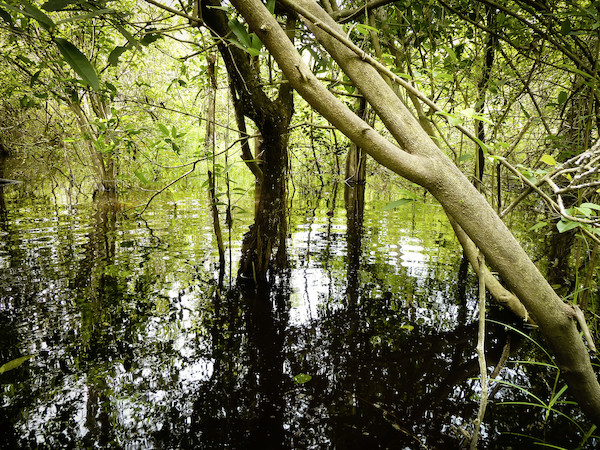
(134,349)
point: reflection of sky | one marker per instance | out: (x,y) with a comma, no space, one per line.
(319,252)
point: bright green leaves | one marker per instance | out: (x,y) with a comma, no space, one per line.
(548,159)
(171,137)
(302,378)
(408,197)
(566,225)
(14,363)
(397,203)
(586,211)
(69,52)
(78,62)
(249,42)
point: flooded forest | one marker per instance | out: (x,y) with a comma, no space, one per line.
(299,224)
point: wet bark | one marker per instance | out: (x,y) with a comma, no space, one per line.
(272,117)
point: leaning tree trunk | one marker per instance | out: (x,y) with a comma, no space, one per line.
(418,159)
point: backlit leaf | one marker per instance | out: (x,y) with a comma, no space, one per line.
(302,378)
(537,226)
(548,159)
(397,203)
(14,363)
(78,62)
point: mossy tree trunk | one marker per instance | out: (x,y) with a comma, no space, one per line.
(272,117)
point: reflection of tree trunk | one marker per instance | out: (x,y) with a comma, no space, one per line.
(97,287)
(354,196)
(244,400)
(3,212)
(266,324)
(354,199)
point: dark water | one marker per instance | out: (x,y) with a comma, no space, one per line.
(368,341)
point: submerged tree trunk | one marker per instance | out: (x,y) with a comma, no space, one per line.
(272,118)
(418,159)
(268,232)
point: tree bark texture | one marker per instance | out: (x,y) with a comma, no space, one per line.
(272,118)
(417,158)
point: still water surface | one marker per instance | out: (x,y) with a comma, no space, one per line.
(366,342)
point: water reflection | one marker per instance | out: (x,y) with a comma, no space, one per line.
(366,342)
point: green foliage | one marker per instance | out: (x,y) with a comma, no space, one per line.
(249,42)
(302,378)
(79,62)
(15,363)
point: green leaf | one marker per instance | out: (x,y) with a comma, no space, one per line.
(57,5)
(113,58)
(6,17)
(537,226)
(548,159)
(483,146)
(591,205)
(397,203)
(34,78)
(587,212)
(86,16)
(566,225)
(562,97)
(365,29)
(271,6)
(38,15)
(465,157)
(14,363)
(302,378)
(164,130)
(222,8)
(126,34)
(140,176)
(451,118)
(240,32)
(565,27)
(256,42)
(31,11)
(149,38)
(79,62)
